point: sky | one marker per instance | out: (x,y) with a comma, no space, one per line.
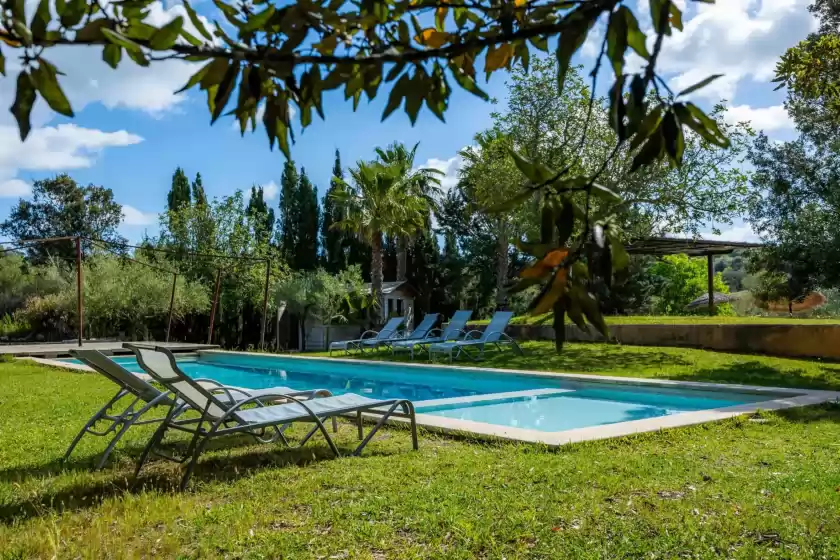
(131,131)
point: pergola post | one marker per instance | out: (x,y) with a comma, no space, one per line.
(171,305)
(80,298)
(265,303)
(710,273)
(215,305)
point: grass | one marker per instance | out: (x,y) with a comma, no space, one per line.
(737,489)
(684,364)
(675,320)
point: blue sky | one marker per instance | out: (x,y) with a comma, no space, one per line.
(130,132)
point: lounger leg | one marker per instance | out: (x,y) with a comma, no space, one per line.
(113,443)
(199,447)
(359,424)
(156,438)
(378,425)
(93,420)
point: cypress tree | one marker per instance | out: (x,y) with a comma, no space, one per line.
(261,214)
(287,233)
(308,220)
(198,195)
(179,193)
(333,240)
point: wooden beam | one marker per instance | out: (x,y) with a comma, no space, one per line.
(710,273)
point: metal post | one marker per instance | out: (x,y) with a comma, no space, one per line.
(171,305)
(80,299)
(215,304)
(265,304)
(710,273)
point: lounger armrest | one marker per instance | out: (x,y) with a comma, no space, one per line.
(431,333)
(469,334)
(371,332)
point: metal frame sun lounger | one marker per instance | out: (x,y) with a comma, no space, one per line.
(145,398)
(366,341)
(454,330)
(493,334)
(219,418)
(419,333)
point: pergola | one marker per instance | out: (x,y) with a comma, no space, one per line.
(661,246)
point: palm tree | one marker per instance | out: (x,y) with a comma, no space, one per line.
(423,182)
(379,202)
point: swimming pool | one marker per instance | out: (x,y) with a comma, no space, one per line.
(515,403)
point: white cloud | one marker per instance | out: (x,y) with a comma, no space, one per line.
(735,233)
(131,216)
(737,38)
(270,190)
(60,148)
(14,188)
(450,169)
(763,118)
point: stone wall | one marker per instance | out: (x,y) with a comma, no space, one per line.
(810,341)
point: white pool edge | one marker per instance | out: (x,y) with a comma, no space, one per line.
(786,397)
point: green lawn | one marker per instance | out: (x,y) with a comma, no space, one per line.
(686,364)
(743,488)
(674,320)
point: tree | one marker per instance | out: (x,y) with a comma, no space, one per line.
(294,53)
(679,280)
(378,203)
(179,193)
(795,208)
(59,208)
(287,232)
(332,239)
(261,214)
(307,221)
(423,182)
(337,296)
(199,197)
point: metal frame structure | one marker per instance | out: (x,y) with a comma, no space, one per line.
(661,246)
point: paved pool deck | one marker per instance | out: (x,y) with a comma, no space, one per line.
(109,347)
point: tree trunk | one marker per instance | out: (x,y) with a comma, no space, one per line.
(376,275)
(559,325)
(402,257)
(502,246)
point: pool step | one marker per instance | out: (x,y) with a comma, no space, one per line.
(515,395)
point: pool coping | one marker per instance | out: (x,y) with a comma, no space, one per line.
(786,397)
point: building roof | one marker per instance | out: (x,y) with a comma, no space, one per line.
(390,287)
(691,247)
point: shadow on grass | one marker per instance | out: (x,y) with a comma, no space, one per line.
(757,373)
(162,476)
(826,412)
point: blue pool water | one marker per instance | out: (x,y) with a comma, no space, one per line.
(542,403)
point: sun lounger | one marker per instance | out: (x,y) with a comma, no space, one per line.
(493,334)
(369,339)
(219,418)
(454,330)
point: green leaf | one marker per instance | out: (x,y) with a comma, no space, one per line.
(216,70)
(73,13)
(2,63)
(580,21)
(138,57)
(691,115)
(538,250)
(589,306)
(466,81)
(673,135)
(540,43)
(121,40)
(525,165)
(617,108)
(651,150)
(22,106)
(619,255)
(617,40)
(635,38)
(646,127)
(258,21)
(45,80)
(605,193)
(575,314)
(510,203)
(196,21)
(112,54)
(41,19)
(194,79)
(676,16)
(565,222)
(225,89)
(166,36)
(700,84)
(396,96)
